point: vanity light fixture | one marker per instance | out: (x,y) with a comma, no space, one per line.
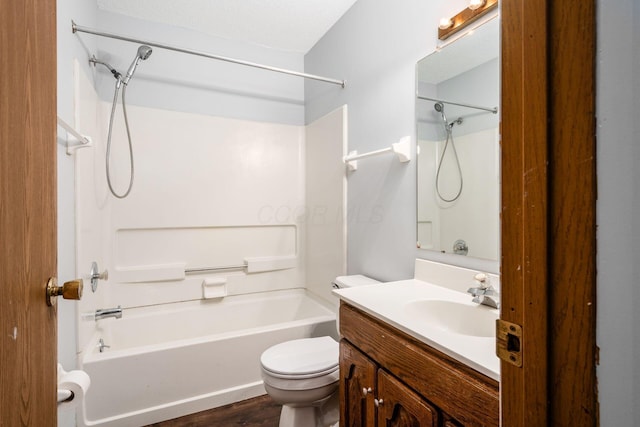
(445,23)
(475,4)
(476,9)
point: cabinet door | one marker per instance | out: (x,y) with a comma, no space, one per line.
(357,387)
(399,406)
(450,422)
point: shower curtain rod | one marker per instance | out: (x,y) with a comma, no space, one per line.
(493,110)
(79,29)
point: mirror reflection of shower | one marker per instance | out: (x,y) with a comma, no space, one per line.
(448,128)
(142,54)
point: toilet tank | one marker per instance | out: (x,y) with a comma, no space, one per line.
(341,282)
(351,281)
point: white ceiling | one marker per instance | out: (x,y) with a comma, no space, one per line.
(289,25)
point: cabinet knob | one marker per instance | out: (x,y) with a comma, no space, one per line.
(366,390)
(378,402)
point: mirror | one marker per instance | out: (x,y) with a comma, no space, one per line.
(457,120)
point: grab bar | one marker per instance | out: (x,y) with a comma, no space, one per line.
(178,271)
(208,269)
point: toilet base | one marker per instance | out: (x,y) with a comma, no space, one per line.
(323,413)
(298,417)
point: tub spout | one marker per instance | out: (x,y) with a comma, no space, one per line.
(103,313)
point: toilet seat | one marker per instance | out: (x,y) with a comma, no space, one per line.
(301,359)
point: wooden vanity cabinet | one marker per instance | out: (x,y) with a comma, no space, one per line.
(372,397)
(388,378)
(357,387)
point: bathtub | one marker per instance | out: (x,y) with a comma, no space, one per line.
(175,359)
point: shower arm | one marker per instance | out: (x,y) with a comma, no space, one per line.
(493,110)
(79,29)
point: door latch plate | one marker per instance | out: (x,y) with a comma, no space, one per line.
(509,342)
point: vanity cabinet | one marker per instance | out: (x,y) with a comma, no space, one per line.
(357,387)
(388,378)
(370,394)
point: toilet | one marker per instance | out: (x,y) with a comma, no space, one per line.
(302,375)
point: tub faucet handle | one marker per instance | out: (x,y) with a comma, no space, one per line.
(96,275)
(101,345)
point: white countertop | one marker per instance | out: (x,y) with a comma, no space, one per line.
(388,302)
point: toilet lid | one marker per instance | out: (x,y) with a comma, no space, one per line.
(302,357)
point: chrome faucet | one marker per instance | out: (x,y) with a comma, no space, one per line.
(103,313)
(484,293)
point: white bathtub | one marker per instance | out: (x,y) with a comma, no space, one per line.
(171,360)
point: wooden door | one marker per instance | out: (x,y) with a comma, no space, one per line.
(27,212)
(548,211)
(357,387)
(399,406)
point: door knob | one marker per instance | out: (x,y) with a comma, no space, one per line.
(70,290)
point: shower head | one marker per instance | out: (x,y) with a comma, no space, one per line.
(439,107)
(143,53)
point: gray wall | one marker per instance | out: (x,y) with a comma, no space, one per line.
(375,47)
(618,211)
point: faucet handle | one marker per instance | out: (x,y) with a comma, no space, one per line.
(101,345)
(482,279)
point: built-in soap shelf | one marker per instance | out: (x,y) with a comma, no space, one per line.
(214,287)
(179,271)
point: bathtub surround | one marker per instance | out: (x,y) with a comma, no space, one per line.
(68,49)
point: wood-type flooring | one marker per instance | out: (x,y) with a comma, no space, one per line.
(257,412)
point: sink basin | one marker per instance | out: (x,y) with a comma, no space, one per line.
(463,319)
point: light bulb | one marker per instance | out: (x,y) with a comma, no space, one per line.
(445,23)
(476,4)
